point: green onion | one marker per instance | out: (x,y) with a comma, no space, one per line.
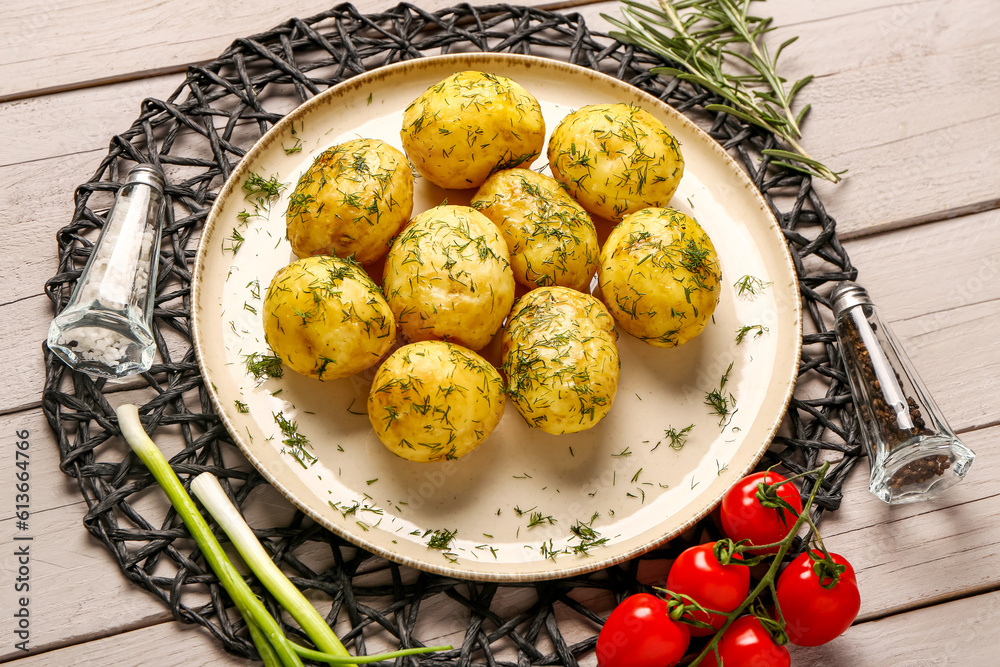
(272,644)
(250,606)
(212,496)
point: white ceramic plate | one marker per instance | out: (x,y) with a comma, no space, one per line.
(621,479)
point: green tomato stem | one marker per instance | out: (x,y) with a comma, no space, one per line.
(767,581)
(249,605)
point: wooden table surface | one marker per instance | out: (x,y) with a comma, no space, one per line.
(905,98)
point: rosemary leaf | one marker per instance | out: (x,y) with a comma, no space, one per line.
(719,45)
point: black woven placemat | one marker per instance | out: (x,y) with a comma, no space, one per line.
(197,135)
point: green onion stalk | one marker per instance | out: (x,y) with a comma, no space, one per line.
(271,643)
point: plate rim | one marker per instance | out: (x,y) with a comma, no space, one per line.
(474,59)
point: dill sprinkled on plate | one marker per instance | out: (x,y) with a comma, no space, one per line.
(295,443)
(758,329)
(536,519)
(263,365)
(587,536)
(677,438)
(749,286)
(233,243)
(723,403)
(440,539)
(259,190)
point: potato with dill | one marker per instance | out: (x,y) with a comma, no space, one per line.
(561,359)
(326,319)
(351,201)
(435,401)
(552,240)
(659,275)
(615,159)
(471,124)
(448,277)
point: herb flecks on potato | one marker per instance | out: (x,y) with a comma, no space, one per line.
(435,401)
(615,159)
(448,277)
(325,318)
(561,359)
(471,124)
(659,275)
(552,240)
(351,201)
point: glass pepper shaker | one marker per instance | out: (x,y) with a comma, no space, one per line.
(914,453)
(106,328)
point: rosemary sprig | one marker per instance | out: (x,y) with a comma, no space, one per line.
(721,48)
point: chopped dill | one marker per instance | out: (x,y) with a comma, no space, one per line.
(255,187)
(233,243)
(677,438)
(536,519)
(758,329)
(723,403)
(440,539)
(295,443)
(263,365)
(587,536)
(749,286)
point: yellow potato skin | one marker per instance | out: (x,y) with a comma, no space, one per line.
(448,277)
(326,319)
(561,359)
(615,159)
(351,201)
(659,275)
(435,401)
(552,240)
(471,124)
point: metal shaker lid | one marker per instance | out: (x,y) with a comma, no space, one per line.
(147,174)
(847,295)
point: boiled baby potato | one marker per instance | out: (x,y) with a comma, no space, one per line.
(615,159)
(659,275)
(448,277)
(471,124)
(552,240)
(435,401)
(561,359)
(353,199)
(325,318)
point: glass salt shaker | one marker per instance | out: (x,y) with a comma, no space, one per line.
(106,328)
(914,453)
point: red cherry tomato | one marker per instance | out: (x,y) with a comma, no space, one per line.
(813,614)
(699,574)
(746,643)
(744,518)
(640,633)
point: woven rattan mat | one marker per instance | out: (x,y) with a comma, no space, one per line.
(197,135)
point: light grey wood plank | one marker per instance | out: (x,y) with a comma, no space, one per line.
(909,556)
(37,128)
(160,645)
(42,45)
(76,592)
(937,286)
(959,632)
